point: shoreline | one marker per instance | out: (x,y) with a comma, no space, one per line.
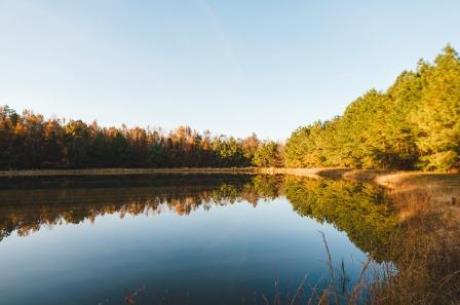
(389,179)
(123,171)
(440,191)
(310,172)
(386,178)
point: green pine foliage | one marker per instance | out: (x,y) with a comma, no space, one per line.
(413,124)
(267,155)
(439,115)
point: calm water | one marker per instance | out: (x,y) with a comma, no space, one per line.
(182,240)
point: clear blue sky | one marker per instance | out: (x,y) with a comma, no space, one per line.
(232,67)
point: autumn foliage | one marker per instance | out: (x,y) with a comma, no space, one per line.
(29,141)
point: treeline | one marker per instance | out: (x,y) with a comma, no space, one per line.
(29,141)
(415,124)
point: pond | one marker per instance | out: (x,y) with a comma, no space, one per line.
(184,239)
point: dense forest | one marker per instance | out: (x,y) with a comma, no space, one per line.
(29,141)
(415,124)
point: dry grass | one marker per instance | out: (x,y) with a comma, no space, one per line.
(127,171)
(442,187)
(421,193)
(428,273)
(428,261)
(309,172)
(425,253)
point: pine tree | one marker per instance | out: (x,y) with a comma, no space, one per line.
(439,114)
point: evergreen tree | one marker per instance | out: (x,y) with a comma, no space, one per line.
(439,114)
(414,124)
(267,155)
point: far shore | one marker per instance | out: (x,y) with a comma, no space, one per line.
(386,178)
(439,188)
(126,171)
(310,172)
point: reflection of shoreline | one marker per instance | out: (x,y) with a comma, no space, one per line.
(26,211)
(414,231)
(443,187)
(360,210)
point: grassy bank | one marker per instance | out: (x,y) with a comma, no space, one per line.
(127,171)
(439,188)
(310,172)
(388,179)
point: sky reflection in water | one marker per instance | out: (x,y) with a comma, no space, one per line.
(190,242)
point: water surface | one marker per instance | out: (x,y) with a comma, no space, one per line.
(182,240)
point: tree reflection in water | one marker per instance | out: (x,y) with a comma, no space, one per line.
(358,209)
(420,240)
